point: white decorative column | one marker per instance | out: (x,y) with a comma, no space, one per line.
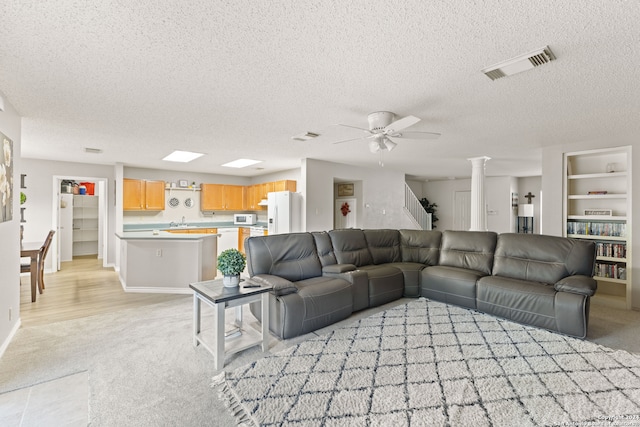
(478,208)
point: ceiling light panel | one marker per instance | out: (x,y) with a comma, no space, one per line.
(242,163)
(182,156)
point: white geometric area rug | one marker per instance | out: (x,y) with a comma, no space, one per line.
(430,364)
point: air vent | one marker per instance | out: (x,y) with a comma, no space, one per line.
(305,136)
(520,63)
(92,150)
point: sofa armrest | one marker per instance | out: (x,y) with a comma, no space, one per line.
(280,285)
(578,284)
(338,268)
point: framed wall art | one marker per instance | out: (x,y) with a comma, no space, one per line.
(6,179)
(345,190)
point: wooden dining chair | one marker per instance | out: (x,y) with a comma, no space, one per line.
(26,268)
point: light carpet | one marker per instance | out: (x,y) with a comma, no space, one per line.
(427,363)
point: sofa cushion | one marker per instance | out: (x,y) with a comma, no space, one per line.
(350,247)
(450,284)
(421,246)
(384,245)
(411,276)
(385,284)
(326,301)
(523,301)
(291,256)
(324,248)
(472,250)
(539,258)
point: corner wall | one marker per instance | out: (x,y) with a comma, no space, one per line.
(10,125)
(382,203)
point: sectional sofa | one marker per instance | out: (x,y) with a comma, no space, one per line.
(319,278)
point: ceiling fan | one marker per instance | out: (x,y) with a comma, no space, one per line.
(384,128)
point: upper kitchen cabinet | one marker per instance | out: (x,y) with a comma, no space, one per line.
(286,185)
(218,197)
(143,195)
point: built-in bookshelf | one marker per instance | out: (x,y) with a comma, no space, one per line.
(597,206)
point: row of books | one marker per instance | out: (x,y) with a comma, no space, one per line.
(612,229)
(611,270)
(613,250)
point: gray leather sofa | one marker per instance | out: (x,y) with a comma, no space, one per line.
(320,278)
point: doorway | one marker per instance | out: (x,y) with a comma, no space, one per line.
(81,222)
(462,210)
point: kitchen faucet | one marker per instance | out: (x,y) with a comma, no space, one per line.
(183,223)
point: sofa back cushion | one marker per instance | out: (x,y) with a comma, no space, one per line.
(384,245)
(539,258)
(350,247)
(324,248)
(472,250)
(292,256)
(421,246)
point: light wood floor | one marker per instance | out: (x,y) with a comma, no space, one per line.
(81,288)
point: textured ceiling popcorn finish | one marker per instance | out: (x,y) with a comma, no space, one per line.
(236,79)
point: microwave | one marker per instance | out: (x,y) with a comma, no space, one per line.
(245,219)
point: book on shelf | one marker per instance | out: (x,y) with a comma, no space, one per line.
(594,192)
(611,270)
(611,250)
(605,229)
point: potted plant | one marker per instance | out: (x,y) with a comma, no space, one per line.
(231,263)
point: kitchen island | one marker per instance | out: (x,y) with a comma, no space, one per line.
(163,262)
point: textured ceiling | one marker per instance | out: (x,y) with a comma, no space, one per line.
(237,79)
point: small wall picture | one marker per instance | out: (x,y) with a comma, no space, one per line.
(183,183)
(345,190)
(6,179)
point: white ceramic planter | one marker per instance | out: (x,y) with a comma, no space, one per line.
(231,281)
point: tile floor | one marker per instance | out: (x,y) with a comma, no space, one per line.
(60,402)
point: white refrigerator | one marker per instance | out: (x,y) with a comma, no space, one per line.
(284,212)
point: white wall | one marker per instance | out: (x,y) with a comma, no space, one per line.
(382,202)
(532,184)
(40,200)
(497,196)
(552,200)
(10,123)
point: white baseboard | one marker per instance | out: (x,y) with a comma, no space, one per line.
(157,290)
(6,342)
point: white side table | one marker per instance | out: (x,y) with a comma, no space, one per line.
(220,297)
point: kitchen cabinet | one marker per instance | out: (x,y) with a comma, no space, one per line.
(195,231)
(142,195)
(243,233)
(220,197)
(285,185)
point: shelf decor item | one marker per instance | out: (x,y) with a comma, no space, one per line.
(598,212)
(231,263)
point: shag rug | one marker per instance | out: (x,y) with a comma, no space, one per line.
(428,364)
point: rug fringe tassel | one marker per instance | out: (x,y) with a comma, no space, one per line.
(231,400)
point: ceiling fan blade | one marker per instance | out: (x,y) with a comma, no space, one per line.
(417,135)
(354,127)
(350,139)
(398,125)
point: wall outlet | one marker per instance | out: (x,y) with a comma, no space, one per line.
(158,252)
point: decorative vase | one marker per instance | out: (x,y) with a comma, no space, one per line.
(231,281)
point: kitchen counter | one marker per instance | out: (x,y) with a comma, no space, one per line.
(128,228)
(166,262)
(162,235)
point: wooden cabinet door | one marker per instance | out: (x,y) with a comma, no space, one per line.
(285,185)
(154,194)
(234,197)
(211,197)
(243,233)
(132,194)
